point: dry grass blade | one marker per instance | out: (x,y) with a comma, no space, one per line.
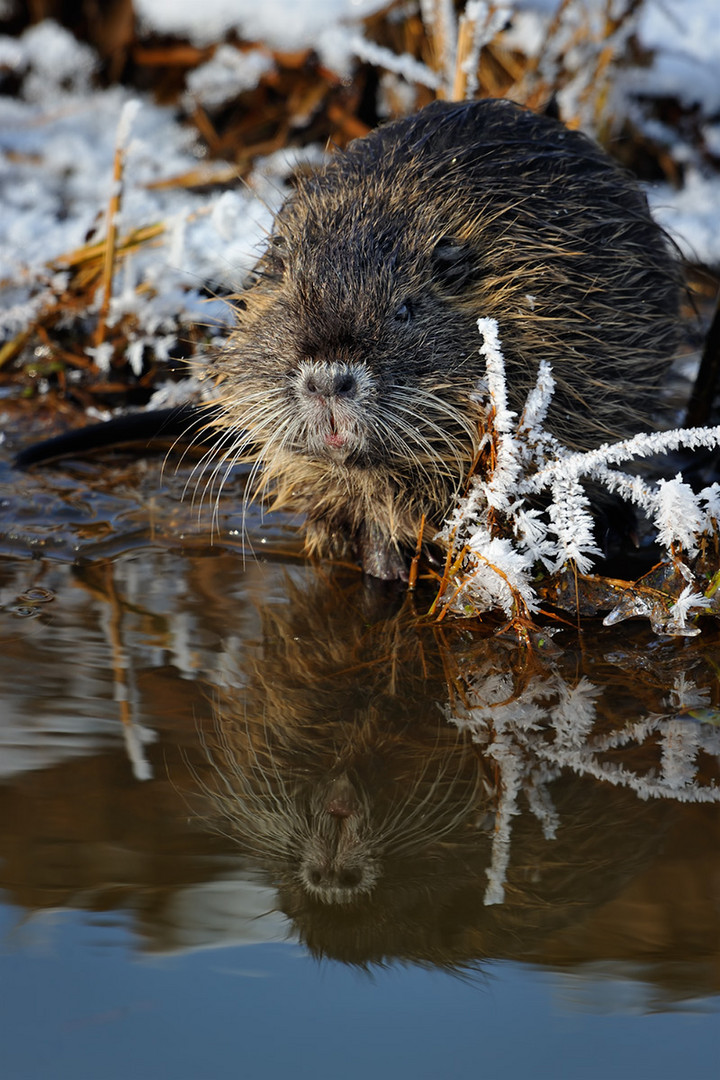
(110,238)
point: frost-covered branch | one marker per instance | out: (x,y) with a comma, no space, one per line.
(527,510)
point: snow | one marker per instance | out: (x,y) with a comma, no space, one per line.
(228,73)
(56,159)
(691,215)
(60,65)
(686,42)
(527,33)
(282,24)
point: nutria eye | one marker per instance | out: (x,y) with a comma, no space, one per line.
(404,313)
(453,264)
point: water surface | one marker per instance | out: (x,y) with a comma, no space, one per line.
(256,818)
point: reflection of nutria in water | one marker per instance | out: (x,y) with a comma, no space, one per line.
(338,776)
(335,761)
(328,806)
(352,374)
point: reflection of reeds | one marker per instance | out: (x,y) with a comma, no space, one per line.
(335,704)
(549,726)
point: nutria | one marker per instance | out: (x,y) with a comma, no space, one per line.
(351,380)
(352,375)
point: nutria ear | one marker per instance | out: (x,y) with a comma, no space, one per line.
(452,264)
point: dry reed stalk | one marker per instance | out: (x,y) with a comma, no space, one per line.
(203,176)
(10,349)
(110,242)
(465,48)
(602,78)
(95,252)
(440,23)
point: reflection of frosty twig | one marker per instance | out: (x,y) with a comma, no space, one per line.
(510,761)
(534,735)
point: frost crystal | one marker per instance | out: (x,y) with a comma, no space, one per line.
(503,573)
(687,600)
(711,497)
(678,518)
(538,401)
(572,523)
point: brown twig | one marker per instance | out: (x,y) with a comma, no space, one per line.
(412,576)
(465,44)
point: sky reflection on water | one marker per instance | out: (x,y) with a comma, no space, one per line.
(267,1011)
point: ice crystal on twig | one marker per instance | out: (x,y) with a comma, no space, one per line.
(686,601)
(572,523)
(679,518)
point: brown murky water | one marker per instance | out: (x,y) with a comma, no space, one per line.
(235,767)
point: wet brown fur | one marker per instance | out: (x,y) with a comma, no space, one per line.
(350,379)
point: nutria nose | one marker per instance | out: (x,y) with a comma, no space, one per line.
(329,382)
(344,878)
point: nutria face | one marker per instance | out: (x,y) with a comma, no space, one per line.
(334,836)
(351,380)
(339,859)
(364,382)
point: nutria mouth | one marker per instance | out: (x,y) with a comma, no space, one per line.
(333,400)
(351,377)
